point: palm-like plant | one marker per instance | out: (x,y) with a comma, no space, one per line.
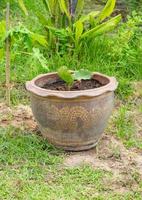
(66,26)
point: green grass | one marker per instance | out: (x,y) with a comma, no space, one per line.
(124,127)
(124,123)
(17,145)
(32,169)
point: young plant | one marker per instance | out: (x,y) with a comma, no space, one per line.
(28,39)
(66,75)
(69,76)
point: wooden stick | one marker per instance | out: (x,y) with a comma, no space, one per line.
(7,57)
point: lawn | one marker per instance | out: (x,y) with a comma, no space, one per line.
(33,169)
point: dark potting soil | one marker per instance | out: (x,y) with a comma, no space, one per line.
(60,85)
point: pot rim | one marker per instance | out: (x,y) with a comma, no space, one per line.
(34,89)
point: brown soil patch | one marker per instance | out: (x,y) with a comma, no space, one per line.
(19,116)
(110,155)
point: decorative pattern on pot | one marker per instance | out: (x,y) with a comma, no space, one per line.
(70,118)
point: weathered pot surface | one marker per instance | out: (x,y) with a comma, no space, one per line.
(72,120)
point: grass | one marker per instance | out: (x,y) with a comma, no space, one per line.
(118,54)
(125,128)
(32,169)
(124,123)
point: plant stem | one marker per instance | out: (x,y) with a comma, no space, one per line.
(72,6)
(24,53)
(7,57)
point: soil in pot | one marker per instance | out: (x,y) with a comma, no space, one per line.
(60,85)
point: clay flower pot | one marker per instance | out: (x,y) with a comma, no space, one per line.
(72,120)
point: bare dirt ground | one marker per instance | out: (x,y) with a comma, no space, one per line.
(20,117)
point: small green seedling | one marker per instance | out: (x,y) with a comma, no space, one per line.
(66,75)
(69,77)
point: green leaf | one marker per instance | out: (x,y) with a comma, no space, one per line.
(39,56)
(45,2)
(108,9)
(23,7)
(39,38)
(64,8)
(78,30)
(92,22)
(70,33)
(82,74)
(24,31)
(79,7)
(65,75)
(43,20)
(86,17)
(1,54)
(50,6)
(20,29)
(62,34)
(102,28)
(2,29)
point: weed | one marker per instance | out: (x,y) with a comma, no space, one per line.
(125,128)
(125,89)
(116,152)
(124,124)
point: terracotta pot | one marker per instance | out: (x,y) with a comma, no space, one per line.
(72,120)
